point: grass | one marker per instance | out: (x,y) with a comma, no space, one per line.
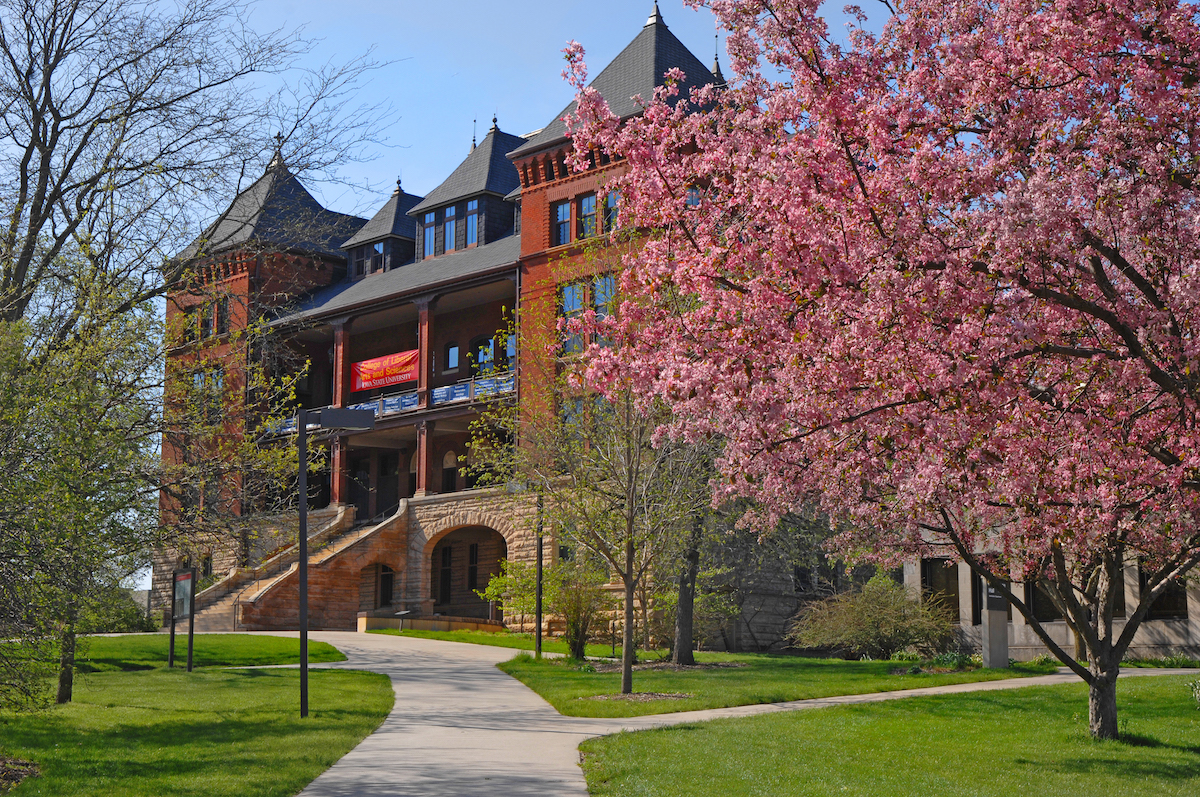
(754,678)
(1024,741)
(208,733)
(501,639)
(149,651)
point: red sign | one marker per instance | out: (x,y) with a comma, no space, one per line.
(383,371)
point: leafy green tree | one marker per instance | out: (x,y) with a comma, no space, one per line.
(876,621)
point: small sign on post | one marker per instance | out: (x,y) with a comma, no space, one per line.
(183,599)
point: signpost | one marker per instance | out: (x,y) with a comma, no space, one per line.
(995,628)
(183,600)
(328,418)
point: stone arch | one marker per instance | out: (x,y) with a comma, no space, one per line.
(430,523)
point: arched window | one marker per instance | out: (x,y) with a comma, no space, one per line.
(449,472)
(483,356)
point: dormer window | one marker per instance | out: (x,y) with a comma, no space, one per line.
(449,229)
(473,222)
(360,261)
(429,234)
(377,257)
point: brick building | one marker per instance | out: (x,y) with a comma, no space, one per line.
(405,314)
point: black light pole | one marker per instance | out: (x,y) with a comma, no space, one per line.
(302,448)
(537,601)
(328,418)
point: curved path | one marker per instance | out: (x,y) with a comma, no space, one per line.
(462,727)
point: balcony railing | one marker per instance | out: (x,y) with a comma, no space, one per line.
(401,403)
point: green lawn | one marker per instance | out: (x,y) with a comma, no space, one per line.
(208,733)
(501,639)
(762,678)
(149,651)
(1024,741)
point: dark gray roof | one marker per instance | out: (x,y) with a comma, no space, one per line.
(486,170)
(276,211)
(636,71)
(513,195)
(410,279)
(391,220)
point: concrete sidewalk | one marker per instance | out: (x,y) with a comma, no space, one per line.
(462,727)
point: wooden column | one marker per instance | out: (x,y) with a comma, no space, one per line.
(425,463)
(425,348)
(341,362)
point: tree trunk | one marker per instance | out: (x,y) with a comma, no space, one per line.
(686,610)
(1102,704)
(66,665)
(627,640)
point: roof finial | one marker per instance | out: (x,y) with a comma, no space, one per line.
(277,158)
(474,125)
(398,188)
(655,17)
(494,125)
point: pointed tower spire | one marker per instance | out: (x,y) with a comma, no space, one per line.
(655,17)
(719,79)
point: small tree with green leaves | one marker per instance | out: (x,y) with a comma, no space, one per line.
(876,621)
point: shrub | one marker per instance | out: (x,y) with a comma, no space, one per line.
(875,622)
(906,655)
(1195,685)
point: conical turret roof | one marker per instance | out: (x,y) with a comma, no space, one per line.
(392,220)
(486,170)
(638,70)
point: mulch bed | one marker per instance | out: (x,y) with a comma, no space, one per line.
(13,771)
(643,697)
(611,666)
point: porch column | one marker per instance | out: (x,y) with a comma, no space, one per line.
(373,500)
(341,362)
(339,471)
(425,348)
(425,458)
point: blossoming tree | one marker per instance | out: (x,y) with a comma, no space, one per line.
(945,277)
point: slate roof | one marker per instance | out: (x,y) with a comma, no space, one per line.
(277,211)
(636,71)
(391,220)
(486,170)
(409,279)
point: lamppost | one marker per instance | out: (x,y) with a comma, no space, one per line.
(327,418)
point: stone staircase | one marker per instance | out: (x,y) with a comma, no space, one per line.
(266,597)
(216,606)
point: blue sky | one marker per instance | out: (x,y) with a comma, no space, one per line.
(458,61)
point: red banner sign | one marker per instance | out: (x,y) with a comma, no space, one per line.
(383,371)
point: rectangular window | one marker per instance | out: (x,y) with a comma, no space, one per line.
(603,288)
(206,321)
(223,315)
(473,566)
(587,216)
(570,305)
(377,257)
(429,234)
(561,233)
(693,197)
(444,576)
(939,581)
(360,261)
(473,222)
(452,357)
(1171,604)
(610,210)
(1041,604)
(449,229)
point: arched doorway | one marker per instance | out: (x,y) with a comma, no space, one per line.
(462,562)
